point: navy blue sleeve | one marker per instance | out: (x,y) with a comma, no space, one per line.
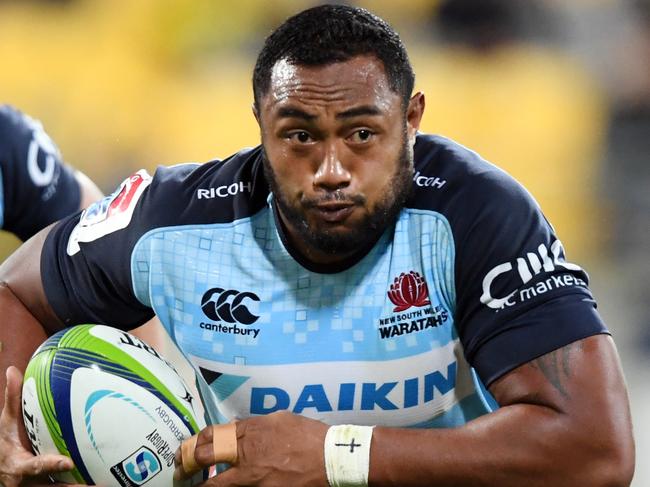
(37,187)
(86,263)
(517,297)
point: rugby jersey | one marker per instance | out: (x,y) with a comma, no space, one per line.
(470,279)
(36,187)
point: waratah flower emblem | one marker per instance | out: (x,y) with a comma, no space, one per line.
(408,290)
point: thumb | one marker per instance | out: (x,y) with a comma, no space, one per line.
(46,464)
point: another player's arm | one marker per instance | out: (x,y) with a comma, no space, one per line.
(564,421)
(89,190)
(26,318)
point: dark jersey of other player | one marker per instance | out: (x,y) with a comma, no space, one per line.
(470,277)
(37,187)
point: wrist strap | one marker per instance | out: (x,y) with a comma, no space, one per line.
(347,455)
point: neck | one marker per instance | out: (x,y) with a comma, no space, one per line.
(308,252)
(312,258)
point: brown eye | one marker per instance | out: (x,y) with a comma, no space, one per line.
(300,137)
(362,136)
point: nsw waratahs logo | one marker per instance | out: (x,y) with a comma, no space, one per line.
(408,290)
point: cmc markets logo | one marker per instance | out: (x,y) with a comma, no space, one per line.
(408,290)
(522,270)
(228,305)
(138,468)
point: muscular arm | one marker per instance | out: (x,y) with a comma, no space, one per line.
(564,421)
(26,318)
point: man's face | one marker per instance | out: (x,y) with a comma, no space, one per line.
(339,151)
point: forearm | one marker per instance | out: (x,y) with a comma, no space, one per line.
(564,421)
(26,318)
(20,334)
(518,445)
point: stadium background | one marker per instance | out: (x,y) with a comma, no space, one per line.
(558,95)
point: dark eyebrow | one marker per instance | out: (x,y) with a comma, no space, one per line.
(289,112)
(359,111)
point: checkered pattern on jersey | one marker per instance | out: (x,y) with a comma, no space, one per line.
(303,316)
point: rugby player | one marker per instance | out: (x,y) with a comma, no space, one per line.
(340,290)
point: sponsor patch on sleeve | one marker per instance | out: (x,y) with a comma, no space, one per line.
(524,269)
(109,214)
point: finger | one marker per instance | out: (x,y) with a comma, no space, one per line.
(188,457)
(224,443)
(215,444)
(194,454)
(45,465)
(228,477)
(13,393)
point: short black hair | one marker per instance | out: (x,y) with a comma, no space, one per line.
(334,33)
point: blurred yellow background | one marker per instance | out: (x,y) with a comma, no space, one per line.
(121,85)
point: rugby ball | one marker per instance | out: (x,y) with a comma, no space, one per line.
(111,403)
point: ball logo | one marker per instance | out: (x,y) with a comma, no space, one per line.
(145,465)
(228,305)
(408,290)
(138,468)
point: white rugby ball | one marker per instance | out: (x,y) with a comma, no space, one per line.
(111,403)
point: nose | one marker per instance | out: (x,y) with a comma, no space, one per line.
(331,173)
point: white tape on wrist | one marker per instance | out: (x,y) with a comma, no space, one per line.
(347,455)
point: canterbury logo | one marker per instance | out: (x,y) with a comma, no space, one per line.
(228,305)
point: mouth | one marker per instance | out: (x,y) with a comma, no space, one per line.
(334,212)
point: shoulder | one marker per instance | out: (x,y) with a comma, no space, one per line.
(14,126)
(458,183)
(217,191)
(211,192)
(10,116)
(193,176)
(23,138)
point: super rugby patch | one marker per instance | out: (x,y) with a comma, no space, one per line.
(111,213)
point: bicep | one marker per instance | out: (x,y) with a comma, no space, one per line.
(582,380)
(21,272)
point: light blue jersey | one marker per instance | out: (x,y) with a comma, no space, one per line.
(470,276)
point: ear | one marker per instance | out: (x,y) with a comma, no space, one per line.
(414,113)
(256,114)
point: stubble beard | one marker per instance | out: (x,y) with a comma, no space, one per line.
(370,227)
